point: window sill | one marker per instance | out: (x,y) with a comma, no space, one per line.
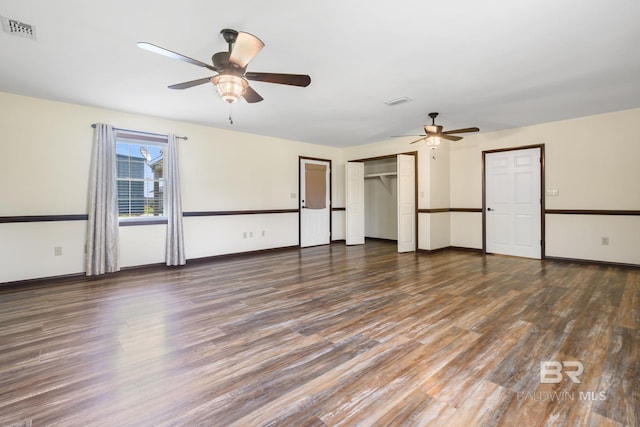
(129,222)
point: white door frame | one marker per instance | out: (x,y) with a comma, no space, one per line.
(300,159)
(542,195)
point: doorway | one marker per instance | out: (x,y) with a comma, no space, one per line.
(314,201)
(381,200)
(513,206)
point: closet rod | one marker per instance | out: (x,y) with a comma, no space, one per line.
(144,133)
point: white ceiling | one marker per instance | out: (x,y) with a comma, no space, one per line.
(494,64)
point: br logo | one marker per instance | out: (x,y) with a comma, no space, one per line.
(551,371)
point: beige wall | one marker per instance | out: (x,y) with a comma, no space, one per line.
(592,161)
(438,197)
(45,148)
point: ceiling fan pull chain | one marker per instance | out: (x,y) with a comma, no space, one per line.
(230,119)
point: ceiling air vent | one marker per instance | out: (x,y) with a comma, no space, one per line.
(18,28)
(397,101)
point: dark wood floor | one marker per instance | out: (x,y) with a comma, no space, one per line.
(330,335)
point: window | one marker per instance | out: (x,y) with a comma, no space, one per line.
(140,175)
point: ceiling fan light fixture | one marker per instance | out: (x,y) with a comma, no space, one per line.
(230,87)
(433,142)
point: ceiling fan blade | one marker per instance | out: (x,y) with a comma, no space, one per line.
(462,130)
(418,140)
(192,83)
(171,54)
(251,95)
(245,48)
(302,80)
(450,137)
(403,136)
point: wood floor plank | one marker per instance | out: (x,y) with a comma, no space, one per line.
(629,312)
(619,380)
(457,380)
(325,336)
(484,407)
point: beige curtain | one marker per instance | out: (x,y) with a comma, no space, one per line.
(102,224)
(315,188)
(175,254)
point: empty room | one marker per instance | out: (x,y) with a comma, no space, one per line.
(319,213)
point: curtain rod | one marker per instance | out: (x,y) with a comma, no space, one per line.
(145,133)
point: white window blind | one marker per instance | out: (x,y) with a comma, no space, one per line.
(140,175)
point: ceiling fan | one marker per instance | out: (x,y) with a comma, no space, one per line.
(434,133)
(231,81)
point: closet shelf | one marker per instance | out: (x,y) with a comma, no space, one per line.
(380,175)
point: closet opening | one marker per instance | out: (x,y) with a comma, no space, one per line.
(381,200)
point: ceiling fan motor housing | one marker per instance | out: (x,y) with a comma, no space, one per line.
(220,60)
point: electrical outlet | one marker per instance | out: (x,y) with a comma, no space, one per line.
(251,234)
(57,251)
(604,241)
(244,234)
(263,233)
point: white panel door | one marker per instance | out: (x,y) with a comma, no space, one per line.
(354,203)
(513,203)
(406,203)
(314,222)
